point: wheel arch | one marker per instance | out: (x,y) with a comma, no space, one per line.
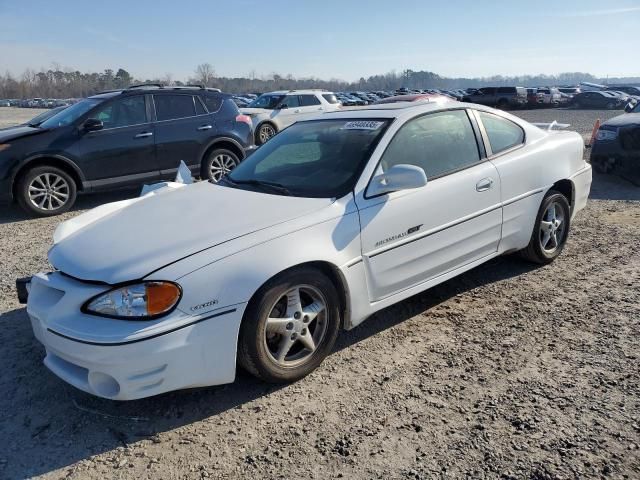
(333,273)
(566,188)
(57,161)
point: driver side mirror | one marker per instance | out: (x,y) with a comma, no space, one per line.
(92,125)
(399,177)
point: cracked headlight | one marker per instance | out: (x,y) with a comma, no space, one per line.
(137,301)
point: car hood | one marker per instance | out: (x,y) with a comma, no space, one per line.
(128,242)
(623,120)
(254,111)
(11,133)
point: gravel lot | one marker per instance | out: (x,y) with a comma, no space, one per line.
(10,116)
(509,371)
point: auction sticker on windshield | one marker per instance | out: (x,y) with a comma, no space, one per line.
(362,125)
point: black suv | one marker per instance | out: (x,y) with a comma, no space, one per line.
(121,138)
(501,97)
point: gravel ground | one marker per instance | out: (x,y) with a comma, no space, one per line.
(508,371)
(10,116)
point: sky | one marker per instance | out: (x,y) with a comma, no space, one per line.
(343,39)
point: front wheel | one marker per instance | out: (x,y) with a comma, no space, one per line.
(290,326)
(551,229)
(218,164)
(265,132)
(46,191)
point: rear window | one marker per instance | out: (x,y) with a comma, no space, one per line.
(171,107)
(503,134)
(330,97)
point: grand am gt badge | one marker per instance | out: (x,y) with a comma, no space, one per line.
(399,235)
(210,303)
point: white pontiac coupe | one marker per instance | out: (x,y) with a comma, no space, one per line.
(331,220)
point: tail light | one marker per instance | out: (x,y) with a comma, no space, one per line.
(244,119)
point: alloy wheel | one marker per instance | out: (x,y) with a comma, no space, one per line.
(266,132)
(296,326)
(49,191)
(552,228)
(221,164)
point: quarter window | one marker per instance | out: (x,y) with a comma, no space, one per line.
(309,100)
(212,102)
(439,143)
(169,107)
(503,134)
(122,112)
(330,97)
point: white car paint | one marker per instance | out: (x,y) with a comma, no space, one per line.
(220,257)
(282,118)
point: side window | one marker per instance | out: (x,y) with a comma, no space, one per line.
(122,112)
(212,102)
(291,101)
(506,90)
(487,91)
(169,107)
(308,100)
(503,134)
(199,108)
(440,143)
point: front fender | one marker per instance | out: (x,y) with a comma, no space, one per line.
(233,272)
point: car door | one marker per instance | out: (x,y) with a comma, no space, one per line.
(411,236)
(288,111)
(182,129)
(310,106)
(122,152)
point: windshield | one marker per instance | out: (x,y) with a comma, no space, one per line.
(38,119)
(321,158)
(266,100)
(70,114)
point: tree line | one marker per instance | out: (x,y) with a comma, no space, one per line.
(56,83)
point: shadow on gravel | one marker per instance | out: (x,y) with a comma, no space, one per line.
(13,213)
(612,187)
(52,425)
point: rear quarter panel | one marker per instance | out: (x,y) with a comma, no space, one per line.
(528,172)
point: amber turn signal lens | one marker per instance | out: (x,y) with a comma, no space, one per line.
(161,296)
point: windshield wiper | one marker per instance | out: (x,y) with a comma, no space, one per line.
(276,187)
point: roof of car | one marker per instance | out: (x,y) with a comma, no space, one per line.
(297,92)
(392,110)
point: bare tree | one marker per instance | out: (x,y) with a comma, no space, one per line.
(205,74)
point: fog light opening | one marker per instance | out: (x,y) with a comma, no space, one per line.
(103,384)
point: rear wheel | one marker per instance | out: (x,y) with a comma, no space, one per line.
(45,191)
(218,164)
(551,229)
(290,326)
(503,104)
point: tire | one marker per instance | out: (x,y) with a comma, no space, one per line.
(611,106)
(218,163)
(273,325)
(503,104)
(537,251)
(45,191)
(265,131)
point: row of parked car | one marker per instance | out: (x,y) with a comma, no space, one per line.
(37,102)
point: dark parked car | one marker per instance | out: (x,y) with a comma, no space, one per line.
(617,146)
(598,99)
(121,138)
(501,97)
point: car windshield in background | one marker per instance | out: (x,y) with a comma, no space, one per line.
(70,114)
(321,159)
(266,101)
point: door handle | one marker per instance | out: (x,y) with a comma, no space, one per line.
(484,184)
(205,127)
(296,111)
(321,108)
(144,135)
